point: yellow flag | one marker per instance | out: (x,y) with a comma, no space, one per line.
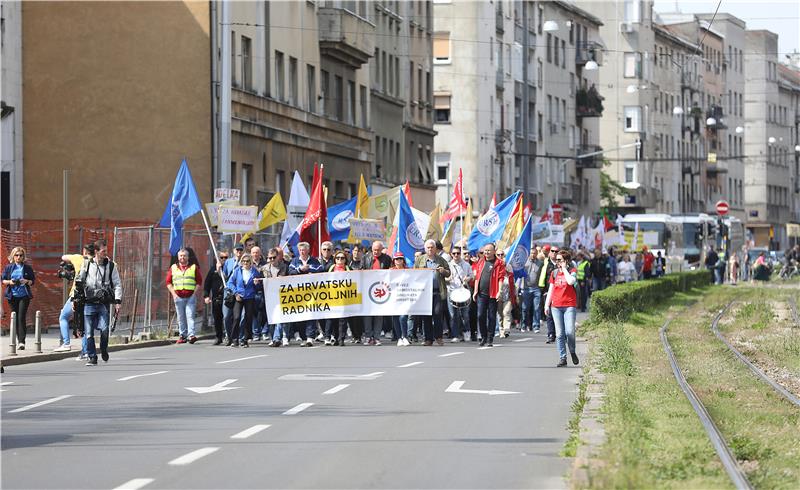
(514,226)
(362,204)
(467,225)
(434,228)
(273,212)
(447,239)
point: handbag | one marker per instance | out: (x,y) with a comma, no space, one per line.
(229,299)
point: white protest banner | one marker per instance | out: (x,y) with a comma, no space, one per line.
(222,194)
(349,293)
(212,209)
(366,229)
(236,219)
(540,232)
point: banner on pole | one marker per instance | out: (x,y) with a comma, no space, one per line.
(236,219)
(222,194)
(366,229)
(349,293)
(212,209)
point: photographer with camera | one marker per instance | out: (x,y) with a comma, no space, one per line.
(101,285)
(70,264)
(18,278)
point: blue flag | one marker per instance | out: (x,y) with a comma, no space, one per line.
(519,251)
(183,204)
(409,239)
(490,226)
(338,219)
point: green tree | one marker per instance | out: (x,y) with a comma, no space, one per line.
(610,189)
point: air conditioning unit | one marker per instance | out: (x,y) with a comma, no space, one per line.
(625,27)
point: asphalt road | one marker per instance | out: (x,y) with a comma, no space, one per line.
(372,417)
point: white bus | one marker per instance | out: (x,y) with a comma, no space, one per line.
(661,233)
(699,233)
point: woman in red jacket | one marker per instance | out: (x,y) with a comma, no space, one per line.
(561,302)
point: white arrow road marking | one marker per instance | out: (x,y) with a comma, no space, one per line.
(455,387)
(6,383)
(522,340)
(331,377)
(45,402)
(221,386)
(336,389)
(251,431)
(450,354)
(126,378)
(135,484)
(411,364)
(241,359)
(298,409)
(193,456)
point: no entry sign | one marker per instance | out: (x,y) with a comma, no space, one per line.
(722,208)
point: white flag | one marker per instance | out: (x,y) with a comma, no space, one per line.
(295,207)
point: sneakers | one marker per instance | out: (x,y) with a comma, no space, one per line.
(328,342)
(483,343)
(92,361)
(376,342)
(81,357)
(275,343)
(406,342)
(285,342)
(245,344)
(562,362)
(550,340)
(428,343)
(104,355)
(320,338)
(192,339)
(535,329)
(181,340)
(63,348)
(218,342)
(400,343)
(21,346)
(309,342)
(574,358)
(455,340)
(440,341)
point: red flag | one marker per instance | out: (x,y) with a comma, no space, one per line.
(493,204)
(457,204)
(407,192)
(607,223)
(546,215)
(314,227)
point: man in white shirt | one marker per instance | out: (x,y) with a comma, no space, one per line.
(461,276)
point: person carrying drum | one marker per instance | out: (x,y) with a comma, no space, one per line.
(459,285)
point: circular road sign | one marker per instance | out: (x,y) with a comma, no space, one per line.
(722,208)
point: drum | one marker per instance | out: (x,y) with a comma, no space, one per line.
(460,297)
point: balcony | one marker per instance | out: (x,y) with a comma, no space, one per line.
(569,193)
(691,81)
(715,113)
(588,103)
(499,78)
(345,36)
(641,197)
(594,161)
(587,51)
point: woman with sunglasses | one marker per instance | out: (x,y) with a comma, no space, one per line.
(243,282)
(339,265)
(18,278)
(561,303)
(400,322)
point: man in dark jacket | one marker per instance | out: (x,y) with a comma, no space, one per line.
(432,326)
(598,268)
(373,325)
(214,293)
(356,263)
(304,263)
(547,268)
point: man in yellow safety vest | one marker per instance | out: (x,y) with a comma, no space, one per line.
(183,279)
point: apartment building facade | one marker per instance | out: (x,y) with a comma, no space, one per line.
(11,166)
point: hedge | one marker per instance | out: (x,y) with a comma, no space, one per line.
(618,302)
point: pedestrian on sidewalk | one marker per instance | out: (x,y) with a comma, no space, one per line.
(69,308)
(561,303)
(102,287)
(18,277)
(183,278)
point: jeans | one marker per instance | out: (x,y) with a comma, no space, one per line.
(598,283)
(244,333)
(564,318)
(432,325)
(531,302)
(63,321)
(185,307)
(277,332)
(400,324)
(373,326)
(95,316)
(487,317)
(459,320)
(20,305)
(259,323)
(583,294)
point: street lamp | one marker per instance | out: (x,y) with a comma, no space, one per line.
(771,140)
(711,121)
(550,26)
(590,65)
(739,130)
(677,110)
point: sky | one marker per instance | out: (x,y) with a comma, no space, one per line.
(779,16)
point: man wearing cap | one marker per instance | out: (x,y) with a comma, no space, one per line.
(547,268)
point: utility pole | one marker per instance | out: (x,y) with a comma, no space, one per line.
(525,163)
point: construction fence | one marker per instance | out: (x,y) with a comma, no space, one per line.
(141,252)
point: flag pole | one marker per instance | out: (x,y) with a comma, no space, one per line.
(213,246)
(319,221)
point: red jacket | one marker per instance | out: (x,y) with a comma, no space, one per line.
(497,276)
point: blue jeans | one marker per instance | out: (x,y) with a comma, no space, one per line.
(564,319)
(259,317)
(63,321)
(459,320)
(185,308)
(487,317)
(531,298)
(400,324)
(598,283)
(95,316)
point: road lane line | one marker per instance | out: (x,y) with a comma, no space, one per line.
(193,456)
(251,431)
(297,409)
(411,364)
(127,378)
(6,383)
(523,340)
(241,359)
(487,347)
(450,354)
(336,389)
(45,402)
(135,484)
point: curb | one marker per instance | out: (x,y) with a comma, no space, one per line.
(56,356)
(592,432)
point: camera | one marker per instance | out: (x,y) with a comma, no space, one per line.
(99,296)
(17,282)
(66,270)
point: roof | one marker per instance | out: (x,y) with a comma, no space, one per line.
(674,37)
(570,6)
(704,24)
(724,16)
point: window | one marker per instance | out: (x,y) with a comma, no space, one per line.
(312,88)
(279,76)
(363,102)
(324,92)
(292,80)
(247,64)
(633,119)
(539,74)
(441,47)
(630,172)
(563,54)
(351,102)
(233,58)
(338,96)
(442,161)
(633,65)
(441,106)
(549,48)
(247,171)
